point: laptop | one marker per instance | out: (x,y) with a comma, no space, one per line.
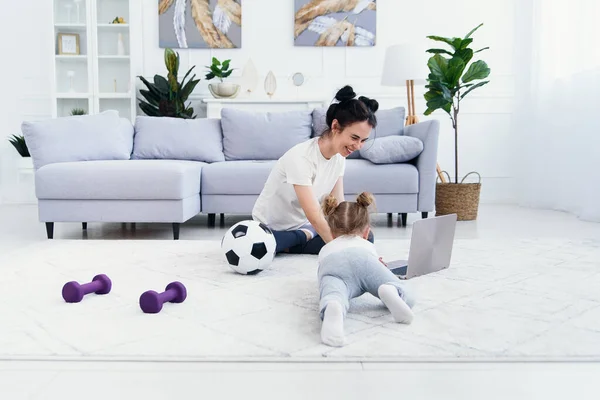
(430,247)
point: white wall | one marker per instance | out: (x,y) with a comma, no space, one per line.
(485,117)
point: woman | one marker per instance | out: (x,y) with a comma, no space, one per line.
(290,202)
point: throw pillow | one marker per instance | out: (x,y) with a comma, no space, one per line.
(178,139)
(103,136)
(391,149)
(251,135)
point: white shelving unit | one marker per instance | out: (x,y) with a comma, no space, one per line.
(100,77)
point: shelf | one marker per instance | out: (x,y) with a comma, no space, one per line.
(114,96)
(73,27)
(75,95)
(111,57)
(63,57)
(113,26)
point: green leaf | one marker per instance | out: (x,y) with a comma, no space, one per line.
(436,100)
(151,87)
(473,30)
(482,49)
(188,89)
(456,66)
(438,66)
(477,70)
(150,97)
(187,74)
(215,61)
(465,54)
(226,74)
(161,84)
(149,110)
(464,44)
(209,76)
(439,51)
(226,64)
(449,41)
(480,84)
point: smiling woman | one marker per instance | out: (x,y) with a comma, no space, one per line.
(290,200)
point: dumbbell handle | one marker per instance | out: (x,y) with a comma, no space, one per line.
(93,286)
(167,295)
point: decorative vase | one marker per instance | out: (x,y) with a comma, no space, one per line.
(270,84)
(249,76)
(461,199)
(224,90)
(120,45)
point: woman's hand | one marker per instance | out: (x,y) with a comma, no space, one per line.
(312,210)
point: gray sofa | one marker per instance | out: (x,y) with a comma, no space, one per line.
(101,168)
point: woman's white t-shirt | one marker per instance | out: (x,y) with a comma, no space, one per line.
(304,164)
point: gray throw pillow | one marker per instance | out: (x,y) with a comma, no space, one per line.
(251,135)
(103,136)
(391,149)
(178,139)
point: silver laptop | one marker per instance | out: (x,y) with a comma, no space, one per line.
(430,247)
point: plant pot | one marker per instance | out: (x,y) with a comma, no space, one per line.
(461,199)
(25,163)
(224,90)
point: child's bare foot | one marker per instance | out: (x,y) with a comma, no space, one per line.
(332,330)
(392,300)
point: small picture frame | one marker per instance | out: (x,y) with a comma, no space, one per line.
(68,43)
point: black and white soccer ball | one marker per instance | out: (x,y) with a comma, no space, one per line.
(249,247)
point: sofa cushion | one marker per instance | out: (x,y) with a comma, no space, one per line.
(236,177)
(363,175)
(123,180)
(391,149)
(178,139)
(250,135)
(103,136)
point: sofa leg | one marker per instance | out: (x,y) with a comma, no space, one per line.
(176,230)
(84,226)
(402,218)
(211,220)
(424,214)
(50,229)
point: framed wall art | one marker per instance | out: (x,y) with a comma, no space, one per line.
(335,22)
(68,43)
(213,24)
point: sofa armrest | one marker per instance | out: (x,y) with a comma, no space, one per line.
(426,163)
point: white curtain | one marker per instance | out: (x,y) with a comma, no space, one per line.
(557,108)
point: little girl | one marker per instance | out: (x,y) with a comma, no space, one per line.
(349,267)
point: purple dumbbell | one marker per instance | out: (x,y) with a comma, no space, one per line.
(73,292)
(152,302)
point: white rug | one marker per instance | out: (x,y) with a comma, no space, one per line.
(500,300)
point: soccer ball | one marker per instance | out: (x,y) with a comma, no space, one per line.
(249,247)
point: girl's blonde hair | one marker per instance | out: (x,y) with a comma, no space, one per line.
(347,217)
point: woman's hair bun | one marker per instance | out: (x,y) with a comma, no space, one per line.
(345,93)
(371,104)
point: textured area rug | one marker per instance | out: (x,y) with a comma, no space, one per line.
(515,299)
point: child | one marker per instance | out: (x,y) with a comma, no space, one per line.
(349,267)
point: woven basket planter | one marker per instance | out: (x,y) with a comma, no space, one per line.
(458,198)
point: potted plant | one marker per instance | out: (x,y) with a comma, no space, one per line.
(166,97)
(450,80)
(221,70)
(18,141)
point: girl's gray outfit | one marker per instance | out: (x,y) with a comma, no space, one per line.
(349,267)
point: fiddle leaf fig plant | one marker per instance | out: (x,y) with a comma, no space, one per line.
(452,78)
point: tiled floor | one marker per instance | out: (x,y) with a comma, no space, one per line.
(49,380)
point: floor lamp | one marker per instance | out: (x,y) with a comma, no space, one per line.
(404,65)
